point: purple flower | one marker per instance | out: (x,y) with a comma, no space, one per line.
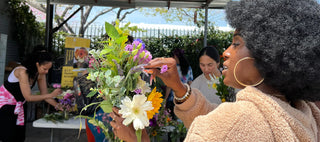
(164,69)
(137,91)
(129,47)
(136,42)
(147,57)
(153,122)
(137,68)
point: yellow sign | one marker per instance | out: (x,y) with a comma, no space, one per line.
(67,76)
(76,59)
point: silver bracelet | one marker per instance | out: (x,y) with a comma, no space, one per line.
(185,95)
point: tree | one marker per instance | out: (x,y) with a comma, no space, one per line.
(191,16)
(85,12)
(26,30)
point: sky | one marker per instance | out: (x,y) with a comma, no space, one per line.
(137,17)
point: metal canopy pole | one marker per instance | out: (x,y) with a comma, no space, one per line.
(65,21)
(205,26)
(49,19)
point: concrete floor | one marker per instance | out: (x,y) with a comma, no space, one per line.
(59,135)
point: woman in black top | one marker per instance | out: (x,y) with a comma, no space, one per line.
(16,90)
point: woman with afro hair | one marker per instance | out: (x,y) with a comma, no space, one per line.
(275,59)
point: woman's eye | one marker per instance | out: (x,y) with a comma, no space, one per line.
(236,44)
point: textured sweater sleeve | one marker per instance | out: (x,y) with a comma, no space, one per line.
(239,122)
(195,105)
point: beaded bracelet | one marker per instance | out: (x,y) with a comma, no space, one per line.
(185,97)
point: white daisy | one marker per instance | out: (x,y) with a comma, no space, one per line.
(135,111)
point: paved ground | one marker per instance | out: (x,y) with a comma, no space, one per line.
(59,135)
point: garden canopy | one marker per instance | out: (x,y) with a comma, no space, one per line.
(212,4)
(206,4)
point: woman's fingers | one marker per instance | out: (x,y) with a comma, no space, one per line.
(155,65)
(159,62)
(170,77)
(116,110)
(116,116)
(58,91)
(120,130)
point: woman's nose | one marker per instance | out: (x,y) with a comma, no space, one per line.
(206,69)
(226,54)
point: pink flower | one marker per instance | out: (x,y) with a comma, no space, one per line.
(147,57)
(164,69)
(56,85)
(67,96)
(91,62)
(129,47)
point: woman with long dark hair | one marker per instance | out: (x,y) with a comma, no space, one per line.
(16,90)
(209,61)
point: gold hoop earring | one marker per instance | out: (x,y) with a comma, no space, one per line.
(235,76)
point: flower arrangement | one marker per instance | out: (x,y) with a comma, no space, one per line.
(67,102)
(66,106)
(160,124)
(213,81)
(225,93)
(179,131)
(118,70)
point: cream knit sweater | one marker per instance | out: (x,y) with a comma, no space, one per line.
(255,117)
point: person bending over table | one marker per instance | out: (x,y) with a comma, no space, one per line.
(16,90)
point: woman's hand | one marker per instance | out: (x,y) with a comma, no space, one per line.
(170,77)
(126,133)
(55,93)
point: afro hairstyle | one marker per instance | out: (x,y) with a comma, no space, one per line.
(284,38)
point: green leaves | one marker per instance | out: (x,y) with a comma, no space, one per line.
(111,31)
(92,93)
(106,106)
(226,93)
(106,51)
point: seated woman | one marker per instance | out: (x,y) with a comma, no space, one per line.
(209,61)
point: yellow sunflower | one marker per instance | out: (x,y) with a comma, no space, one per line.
(154,133)
(155,98)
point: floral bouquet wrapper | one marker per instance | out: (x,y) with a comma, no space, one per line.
(118,70)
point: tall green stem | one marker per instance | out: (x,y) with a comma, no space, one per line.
(139,134)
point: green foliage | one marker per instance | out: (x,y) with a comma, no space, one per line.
(224,92)
(191,16)
(59,43)
(57,117)
(220,39)
(28,32)
(179,132)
